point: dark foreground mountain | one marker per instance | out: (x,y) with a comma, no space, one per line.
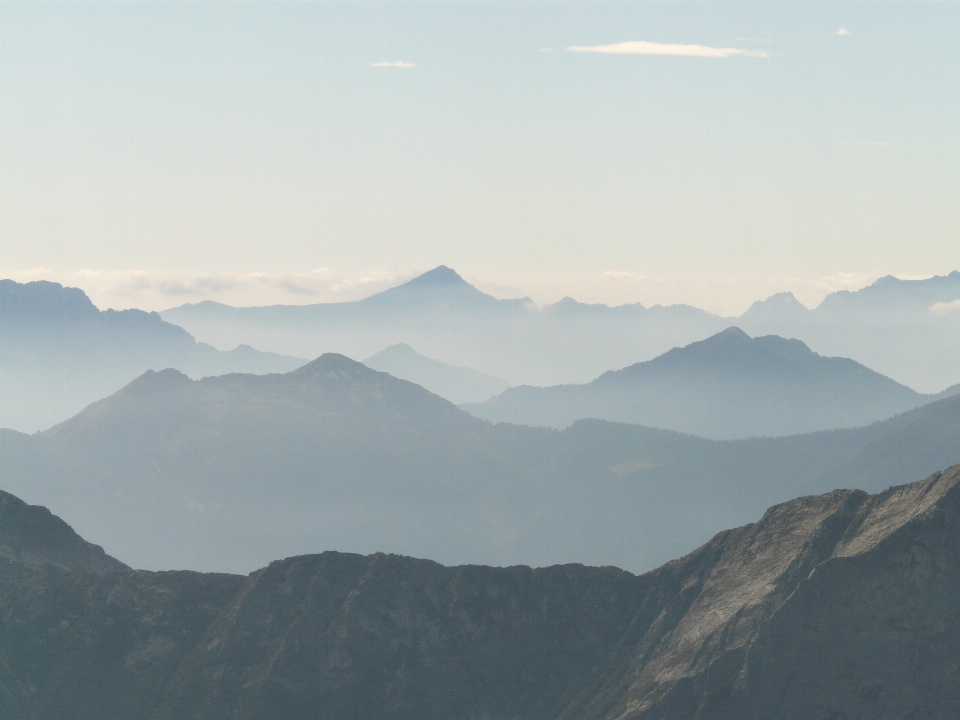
(227,473)
(844,605)
(59,353)
(456,384)
(727,386)
(32,535)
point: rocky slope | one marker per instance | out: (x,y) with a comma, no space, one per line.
(843,605)
(726,387)
(227,473)
(33,536)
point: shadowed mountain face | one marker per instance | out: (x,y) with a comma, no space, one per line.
(59,353)
(227,473)
(31,535)
(908,330)
(725,387)
(844,605)
(456,384)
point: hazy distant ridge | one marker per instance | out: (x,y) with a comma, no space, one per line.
(907,330)
(228,472)
(456,384)
(59,353)
(727,386)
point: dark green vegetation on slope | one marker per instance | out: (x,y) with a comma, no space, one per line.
(844,605)
(230,472)
(59,353)
(725,387)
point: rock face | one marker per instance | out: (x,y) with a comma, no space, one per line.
(32,535)
(844,605)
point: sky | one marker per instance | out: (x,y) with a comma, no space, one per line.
(710,153)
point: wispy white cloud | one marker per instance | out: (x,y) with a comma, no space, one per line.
(642,47)
(394,64)
(619,274)
(945,308)
(843,32)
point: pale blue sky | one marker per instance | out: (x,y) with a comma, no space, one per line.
(159,153)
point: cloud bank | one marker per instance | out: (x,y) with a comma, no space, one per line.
(394,64)
(945,308)
(642,47)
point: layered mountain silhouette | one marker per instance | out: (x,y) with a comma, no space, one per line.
(843,605)
(727,386)
(226,473)
(456,384)
(908,330)
(59,353)
(443,316)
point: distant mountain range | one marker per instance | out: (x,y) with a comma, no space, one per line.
(228,472)
(59,353)
(725,387)
(844,605)
(908,330)
(456,384)
(447,319)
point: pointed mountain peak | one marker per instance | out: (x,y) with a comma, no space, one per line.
(331,363)
(442,284)
(732,334)
(397,351)
(440,276)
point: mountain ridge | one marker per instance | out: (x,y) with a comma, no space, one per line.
(827,606)
(887,326)
(59,352)
(229,472)
(727,386)
(454,383)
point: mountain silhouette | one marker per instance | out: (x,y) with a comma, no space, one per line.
(442,315)
(838,605)
(227,473)
(33,536)
(59,353)
(906,329)
(456,384)
(725,387)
